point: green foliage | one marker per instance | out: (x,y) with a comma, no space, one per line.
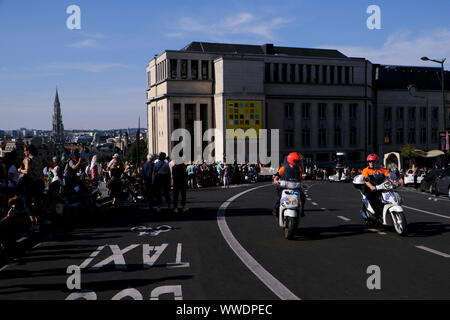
(408,151)
(133,149)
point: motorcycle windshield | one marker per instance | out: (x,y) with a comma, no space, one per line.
(290,184)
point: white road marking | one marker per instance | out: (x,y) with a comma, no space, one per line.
(270,281)
(344,218)
(377,231)
(36,246)
(4,267)
(178,263)
(428,212)
(309,199)
(314,204)
(22,239)
(434,251)
(91,257)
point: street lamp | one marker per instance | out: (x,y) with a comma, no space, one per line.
(441,62)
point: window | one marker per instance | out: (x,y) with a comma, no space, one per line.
(322,111)
(412,136)
(338,111)
(173,68)
(176,116)
(306,137)
(387,136)
(292,72)
(322,137)
(308,73)
(289,138)
(194,69)
(423,113)
(435,113)
(412,114)
(423,135)
(332,74)
(149,79)
(353,137)
(337,137)
(353,110)
(289,110)
(300,73)
(387,113)
(276,69)
(316,74)
(400,113)
(434,135)
(347,75)
(399,136)
(324,74)
(306,108)
(267,72)
(205,70)
(339,74)
(184,69)
(284,72)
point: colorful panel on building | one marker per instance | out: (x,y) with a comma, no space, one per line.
(244,114)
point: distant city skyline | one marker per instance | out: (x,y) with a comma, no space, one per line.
(100,69)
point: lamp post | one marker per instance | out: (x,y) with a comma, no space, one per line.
(441,62)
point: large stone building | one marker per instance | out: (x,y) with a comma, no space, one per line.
(322,101)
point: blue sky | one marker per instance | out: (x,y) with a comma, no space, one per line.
(100,69)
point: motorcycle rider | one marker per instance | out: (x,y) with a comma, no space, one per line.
(290,171)
(374,175)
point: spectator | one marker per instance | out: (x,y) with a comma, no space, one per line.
(147,173)
(161,180)
(191,176)
(179,179)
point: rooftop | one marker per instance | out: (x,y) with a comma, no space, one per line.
(266,49)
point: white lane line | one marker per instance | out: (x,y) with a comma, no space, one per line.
(270,281)
(377,231)
(309,199)
(314,204)
(434,251)
(428,212)
(4,267)
(22,239)
(344,218)
(36,246)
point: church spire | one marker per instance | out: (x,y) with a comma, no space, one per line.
(57,97)
(58,127)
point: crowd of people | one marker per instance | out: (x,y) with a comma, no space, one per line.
(33,188)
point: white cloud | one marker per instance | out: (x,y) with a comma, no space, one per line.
(403,48)
(88,43)
(243,23)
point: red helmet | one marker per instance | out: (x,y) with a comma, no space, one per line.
(293,157)
(372,157)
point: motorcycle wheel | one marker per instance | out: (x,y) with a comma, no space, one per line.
(291,226)
(399,220)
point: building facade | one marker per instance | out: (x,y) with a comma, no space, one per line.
(321,101)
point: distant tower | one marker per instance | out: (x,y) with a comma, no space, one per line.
(58,127)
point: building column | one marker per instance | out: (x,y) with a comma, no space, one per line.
(168,69)
(305,72)
(178,69)
(335,74)
(288,72)
(189,70)
(328,77)
(210,119)
(280,72)
(210,65)
(343,75)
(271,72)
(297,78)
(183,116)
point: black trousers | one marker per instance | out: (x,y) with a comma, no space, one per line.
(149,193)
(162,186)
(179,189)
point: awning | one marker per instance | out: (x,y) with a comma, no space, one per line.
(429,154)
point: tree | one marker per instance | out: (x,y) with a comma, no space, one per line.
(143,151)
(409,153)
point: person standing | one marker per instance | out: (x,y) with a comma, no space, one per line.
(161,180)
(147,173)
(191,175)
(179,181)
(226,176)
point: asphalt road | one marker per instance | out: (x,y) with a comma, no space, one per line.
(229,247)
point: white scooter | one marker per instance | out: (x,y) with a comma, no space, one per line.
(290,207)
(392,211)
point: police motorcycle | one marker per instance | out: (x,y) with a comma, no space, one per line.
(390,211)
